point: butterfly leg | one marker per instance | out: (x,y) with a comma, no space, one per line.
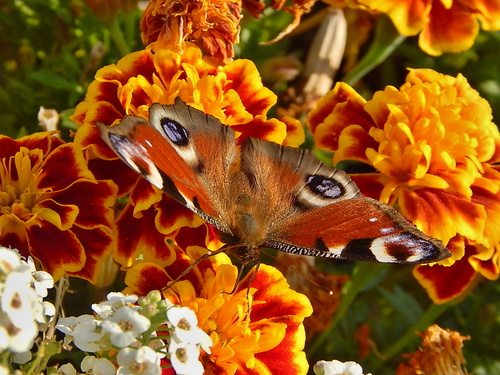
(193,265)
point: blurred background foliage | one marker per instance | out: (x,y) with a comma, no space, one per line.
(51,49)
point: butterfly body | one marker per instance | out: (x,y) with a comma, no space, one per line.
(260,194)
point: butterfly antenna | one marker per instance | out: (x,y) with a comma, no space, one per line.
(300,273)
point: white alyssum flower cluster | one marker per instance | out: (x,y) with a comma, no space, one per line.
(337,368)
(23,312)
(124,331)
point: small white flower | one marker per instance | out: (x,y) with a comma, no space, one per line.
(185,324)
(21,339)
(337,368)
(185,358)
(97,366)
(114,302)
(19,301)
(124,325)
(4,370)
(41,280)
(142,361)
(10,259)
(88,336)
(67,325)
(66,369)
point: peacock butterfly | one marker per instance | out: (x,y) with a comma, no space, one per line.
(259,194)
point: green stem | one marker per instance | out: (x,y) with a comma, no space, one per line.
(429,317)
(131,27)
(118,37)
(363,274)
(387,38)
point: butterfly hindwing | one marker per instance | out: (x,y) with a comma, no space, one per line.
(357,229)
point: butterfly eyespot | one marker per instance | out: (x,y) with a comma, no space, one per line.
(325,187)
(175,131)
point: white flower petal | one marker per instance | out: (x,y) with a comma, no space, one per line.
(337,368)
(143,359)
(97,366)
(185,358)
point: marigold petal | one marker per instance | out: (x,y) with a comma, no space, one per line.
(98,244)
(143,277)
(295,133)
(354,144)
(95,201)
(44,141)
(270,130)
(139,236)
(61,216)
(489,268)
(45,240)
(408,16)
(441,214)
(456,34)
(488,13)
(340,107)
(370,184)
(244,78)
(436,279)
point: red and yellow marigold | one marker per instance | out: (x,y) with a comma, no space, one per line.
(434,145)
(52,207)
(268,339)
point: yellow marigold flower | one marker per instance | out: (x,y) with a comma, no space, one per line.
(444,25)
(433,144)
(439,353)
(268,339)
(212,24)
(52,207)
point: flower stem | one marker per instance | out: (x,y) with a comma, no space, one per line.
(363,274)
(118,37)
(387,38)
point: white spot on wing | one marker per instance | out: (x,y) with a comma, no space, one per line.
(336,250)
(386,231)
(372,219)
(129,152)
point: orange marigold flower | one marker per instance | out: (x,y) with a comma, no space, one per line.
(433,144)
(440,353)
(267,340)
(444,26)
(234,93)
(212,24)
(52,207)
